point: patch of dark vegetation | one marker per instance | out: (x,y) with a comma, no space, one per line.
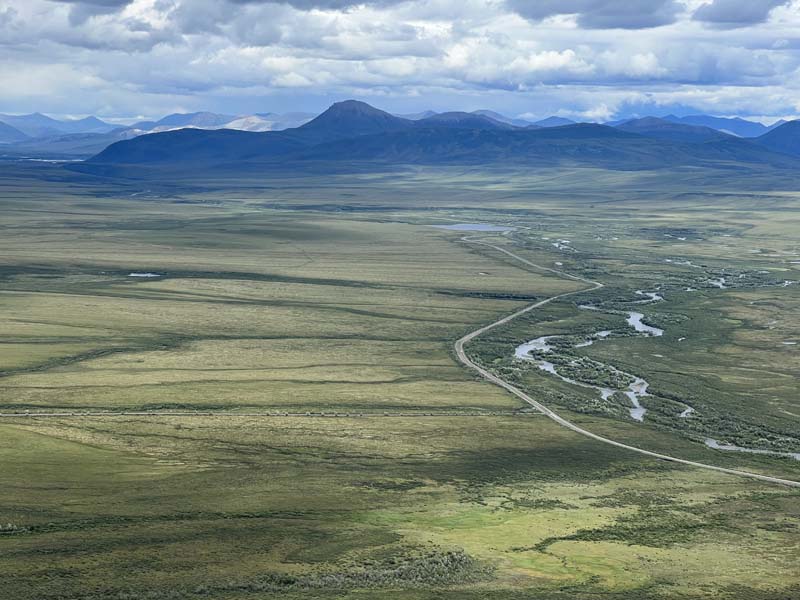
(389,486)
(568,593)
(489,295)
(575,460)
(536,503)
(653,527)
(266,277)
(8,273)
(123,521)
(642,499)
(779,527)
(184,406)
(435,568)
(738,592)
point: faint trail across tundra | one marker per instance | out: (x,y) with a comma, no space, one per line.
(594,285)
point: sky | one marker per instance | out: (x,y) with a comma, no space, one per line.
(583,59)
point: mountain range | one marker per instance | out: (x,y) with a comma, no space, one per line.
(733,126)
(357,132)
(39,125)
(353,132)
(38,135)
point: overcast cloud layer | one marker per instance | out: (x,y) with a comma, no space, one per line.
(593,59)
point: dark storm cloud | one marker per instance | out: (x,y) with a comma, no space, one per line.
(602,14)
(82,10)
(737,13)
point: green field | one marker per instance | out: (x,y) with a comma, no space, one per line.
(332,294)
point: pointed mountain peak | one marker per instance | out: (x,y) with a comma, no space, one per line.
(354,107)
(351,118)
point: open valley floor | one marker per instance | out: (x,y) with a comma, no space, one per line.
(251,388)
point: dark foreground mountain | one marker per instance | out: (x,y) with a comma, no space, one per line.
(349,119)
(351,133)
(199,147)
(343,120)
(580,144)
(677,132)
(785,138)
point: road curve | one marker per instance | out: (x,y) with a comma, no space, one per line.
(594,285)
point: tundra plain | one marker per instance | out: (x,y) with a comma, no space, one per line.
(312,434)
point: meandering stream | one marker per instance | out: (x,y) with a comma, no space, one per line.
(636,389)
(537,349)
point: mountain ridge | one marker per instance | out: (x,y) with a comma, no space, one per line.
(354,132)
(669,130)
(784,138)
(9,134)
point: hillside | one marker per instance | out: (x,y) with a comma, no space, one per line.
(785,138)
(198,146)
(732,126)
(677,132)
(353,132)
(9,134)
(462,120)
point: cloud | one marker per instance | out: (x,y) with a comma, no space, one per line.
(83,10)
(101,5)
(737,13)
(574,57)
(603,14)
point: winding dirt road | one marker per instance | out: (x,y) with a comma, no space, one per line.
(594,285)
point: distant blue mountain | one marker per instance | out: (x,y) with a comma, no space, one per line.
(38,125)
(733,126)
(179,120)
(86,125)
(33,125)
(68,145)
(554,122)
(495,116)
(417,116)
(9,134)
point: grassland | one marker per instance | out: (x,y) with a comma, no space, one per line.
(334,295)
